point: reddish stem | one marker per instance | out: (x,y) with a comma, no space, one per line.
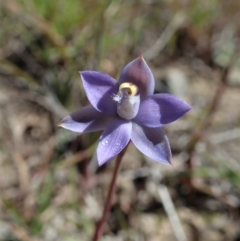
(111,191)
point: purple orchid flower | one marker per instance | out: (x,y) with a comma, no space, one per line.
(126,110)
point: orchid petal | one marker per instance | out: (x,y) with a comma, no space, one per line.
(160,109)
(138,73)
(99,89)
(84,120)
(115,137)
(152,142)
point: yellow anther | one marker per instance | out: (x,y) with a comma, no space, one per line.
(132,88)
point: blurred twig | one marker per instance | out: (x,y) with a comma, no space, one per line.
(22,233)
(48,149)
(168,205)
(23,170)
(204,125)
(47,98)
(76,158)
(166,35)
(225,136)
(172,213)
(16,71)
(43,26)
(228,199)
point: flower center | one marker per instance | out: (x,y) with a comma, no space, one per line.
(128,100)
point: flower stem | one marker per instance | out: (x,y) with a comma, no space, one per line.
(111,191)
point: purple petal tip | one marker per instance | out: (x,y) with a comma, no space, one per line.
(138,73)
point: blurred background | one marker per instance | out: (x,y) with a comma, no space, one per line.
(50,185)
